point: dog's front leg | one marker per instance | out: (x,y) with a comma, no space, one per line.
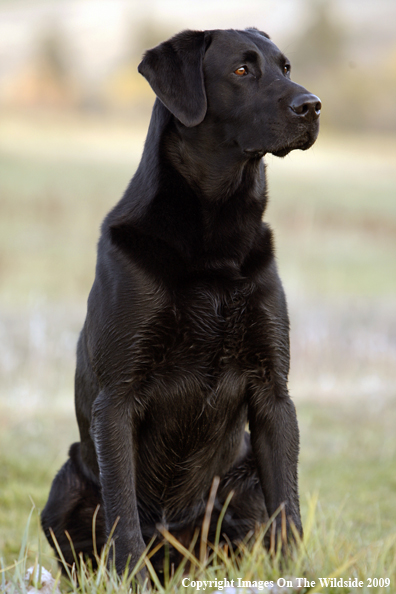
(112,431)
(275,442)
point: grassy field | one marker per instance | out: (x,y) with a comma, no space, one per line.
(334,213)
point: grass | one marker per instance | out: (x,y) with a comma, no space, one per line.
(347,457)
(334,216)
(326,553)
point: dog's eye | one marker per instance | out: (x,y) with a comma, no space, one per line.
(286,69)
(241,71)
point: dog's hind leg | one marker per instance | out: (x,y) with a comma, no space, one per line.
(70,509)
(246,512)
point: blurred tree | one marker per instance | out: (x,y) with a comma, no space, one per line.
(322,46)
(321,63)
(328,60)
(52,54)
(54,80)
(125,88)
(151,33)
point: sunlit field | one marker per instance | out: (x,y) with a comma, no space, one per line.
(333,210)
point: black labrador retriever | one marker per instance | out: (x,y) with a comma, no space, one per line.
(186,338)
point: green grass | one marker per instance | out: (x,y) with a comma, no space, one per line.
(333,210)
(325,553)
(347,458)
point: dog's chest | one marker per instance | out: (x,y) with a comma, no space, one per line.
(202,335)
(218,327)
(193,391)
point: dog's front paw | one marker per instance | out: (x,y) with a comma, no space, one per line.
(128,559)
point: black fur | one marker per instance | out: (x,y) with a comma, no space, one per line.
(187,336)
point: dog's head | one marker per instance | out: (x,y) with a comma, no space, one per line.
(238,81)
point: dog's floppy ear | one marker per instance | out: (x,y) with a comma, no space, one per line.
(174,71)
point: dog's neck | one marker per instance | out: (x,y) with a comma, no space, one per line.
(214,171)
(206,200)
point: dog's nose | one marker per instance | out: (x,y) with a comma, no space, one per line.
(306,106)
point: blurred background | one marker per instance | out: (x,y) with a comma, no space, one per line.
(73,117)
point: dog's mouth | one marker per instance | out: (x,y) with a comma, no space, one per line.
(255,153)
(302,142)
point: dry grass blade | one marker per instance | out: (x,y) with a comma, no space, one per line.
(283,527)
(153,575)
(203,554)
(9,567)
(145,556)
(179,547)
(94,533)
(61,557)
